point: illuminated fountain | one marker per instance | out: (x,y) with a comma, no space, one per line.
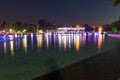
(5,37)
(9,36)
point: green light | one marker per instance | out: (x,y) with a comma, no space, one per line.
(114,29)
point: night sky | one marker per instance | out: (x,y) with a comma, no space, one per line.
(65,12)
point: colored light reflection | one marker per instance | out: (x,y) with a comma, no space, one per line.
(77,43)
(39,40)
(83,40)
(47,41)
(70,40)
(32,41)
(31,34)
(19,43)
(60,40)
(65,42)
(25,43)
(12,48)
(103,38)
(114,35)
(5,49)
(95,39)
(99,41)
(55,39)
(16,45)
(15,35)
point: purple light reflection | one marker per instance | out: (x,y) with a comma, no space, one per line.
(114,35)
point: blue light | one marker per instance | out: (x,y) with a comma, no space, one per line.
(31,34)
(15,35)
(96,33)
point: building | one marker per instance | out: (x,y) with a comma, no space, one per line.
(70,30)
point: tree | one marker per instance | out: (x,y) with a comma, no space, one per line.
(2,24)
(114,29)
(18,25)
(117,24)
(88,28)
(46,25)
(107,27)
(116,2)
(43,24)
(29,27)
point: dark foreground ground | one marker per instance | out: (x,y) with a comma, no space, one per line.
(105,66)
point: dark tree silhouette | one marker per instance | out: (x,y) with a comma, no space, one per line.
(43,23)
(46,25)
(18,25)
(116,2)
(117,24)
(107,27)
(2,24)
(88,28)
(29,27)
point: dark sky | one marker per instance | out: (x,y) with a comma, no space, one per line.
(59,11)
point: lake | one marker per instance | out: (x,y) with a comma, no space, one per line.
(36,55)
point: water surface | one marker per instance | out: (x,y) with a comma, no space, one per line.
(36,55)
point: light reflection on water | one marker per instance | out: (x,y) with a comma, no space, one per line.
(99,42)
(66,42)
(5,50)
(41,54)
(47,41)
(25,43)
(32,41)
(39,40)
(12,48)
(77,40)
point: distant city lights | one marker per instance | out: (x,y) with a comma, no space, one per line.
(100,29)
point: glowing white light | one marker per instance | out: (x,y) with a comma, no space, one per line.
(96,33)
(12,48)
(5,49)
(11,37)
(16,36)
(84,34)
(31,34)
(65,42)
(24,30)
(10,30)
(39,40)
(25,43)
(60,40)
(32,40)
